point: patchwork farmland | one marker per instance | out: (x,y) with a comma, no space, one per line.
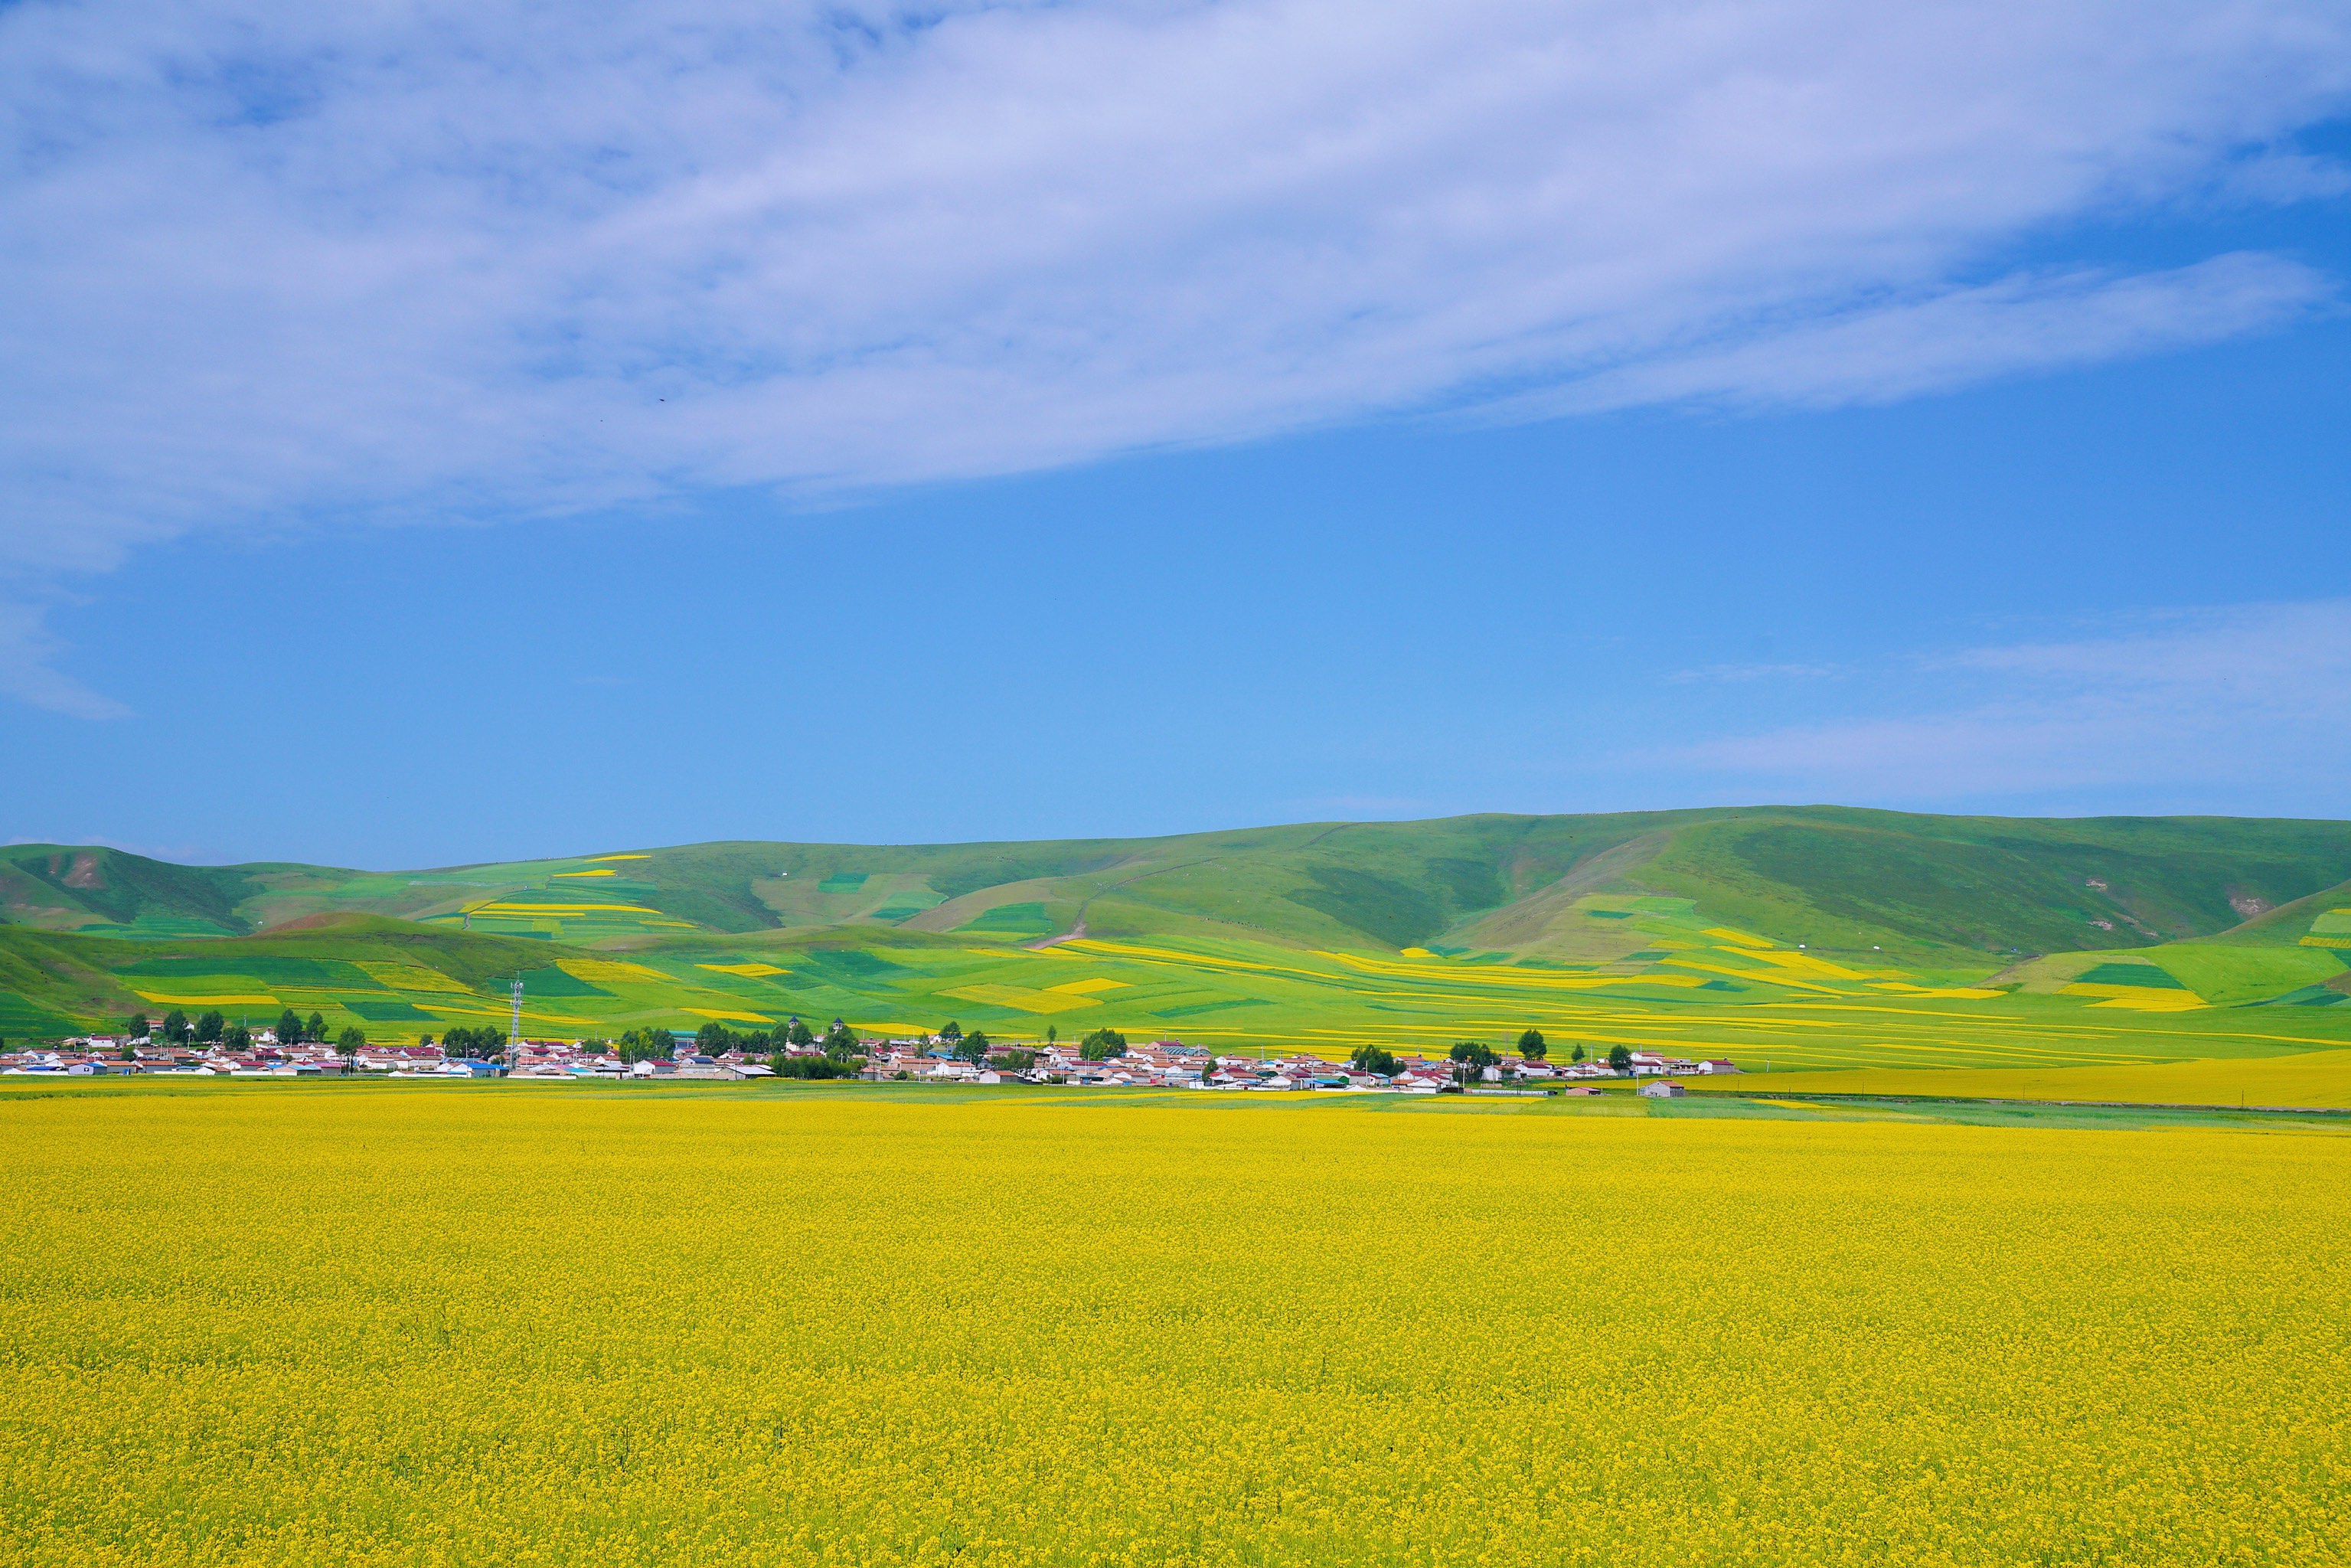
(1787,939)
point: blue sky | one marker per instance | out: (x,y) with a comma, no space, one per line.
(436,435)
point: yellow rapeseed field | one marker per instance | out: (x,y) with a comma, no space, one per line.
(2319,1080)
(386,1325)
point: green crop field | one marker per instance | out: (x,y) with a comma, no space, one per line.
(1792,938)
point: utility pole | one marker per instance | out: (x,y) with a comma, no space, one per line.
(513,1030)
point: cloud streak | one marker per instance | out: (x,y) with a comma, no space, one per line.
(27,674)
(1961,336)
(2248,701)
(265,264)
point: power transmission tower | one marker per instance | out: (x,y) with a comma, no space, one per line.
(514,1031)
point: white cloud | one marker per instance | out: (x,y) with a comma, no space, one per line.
(2248,702)
(1739,674)
(27,676)
(1963,335)
(265,263)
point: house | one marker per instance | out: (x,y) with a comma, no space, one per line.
(1717,1066)
(1663,1089)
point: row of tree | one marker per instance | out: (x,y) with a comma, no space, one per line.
(841,1047)
(211,1028)
(980,1051)
(464,1041)
(714,1039)
(1476,1056)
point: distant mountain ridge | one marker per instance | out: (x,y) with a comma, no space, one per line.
(1931,889)
(1813,936)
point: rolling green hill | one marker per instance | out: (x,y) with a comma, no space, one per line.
(1814,930)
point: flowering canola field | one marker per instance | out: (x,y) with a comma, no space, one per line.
(382,1324)
(2318,1079)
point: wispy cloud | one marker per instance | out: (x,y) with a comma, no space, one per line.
(264,264)
(1960,336)
(1740,675)
(2250,699)
(27,674)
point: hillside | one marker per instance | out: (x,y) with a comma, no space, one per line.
(1953,888)
(1413,932)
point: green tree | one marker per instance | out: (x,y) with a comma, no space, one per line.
(1471,1057)
(209,1027)
(236,1038)
(175,1027)
(289,1028)
(127,1051)
(461,1041)
(1053,1033)
(839,1041)
(647,1043)
(950,1032)
(797,1034)
(974,1048)
(1532,1045)
(1578,1055)
(810,1067)
(713,1039)
(1374,1060)
(1102,1045)
(352,1040)
(1017,1059)
(1620,1058)
(316,1028)
(135,1026)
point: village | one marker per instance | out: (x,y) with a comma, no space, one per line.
(943,1058)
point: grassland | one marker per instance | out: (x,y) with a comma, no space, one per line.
(369,1324)
(1759,1006)
(1925,890)
(1792,938)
